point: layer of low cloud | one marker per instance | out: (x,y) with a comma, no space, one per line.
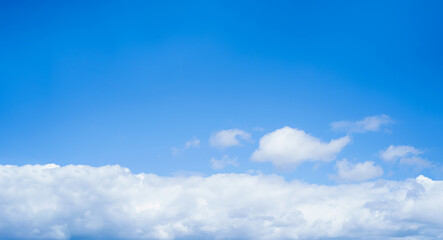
(229,138)
(405,154)
(223,162)
(362,171)
(368,124)
(52,202)
(290,147)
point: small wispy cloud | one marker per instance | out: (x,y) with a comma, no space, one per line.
(224,162)
(193,143)
(175,150)
(229,138)
(258,129)
(405,154)
(350,172)
(393,153)
(368,124)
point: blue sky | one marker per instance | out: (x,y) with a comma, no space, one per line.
(123,83)
(233,95)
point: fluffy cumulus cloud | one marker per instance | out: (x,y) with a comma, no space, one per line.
(228,138)
(405,154)
(52,202)
(222,163)
(362,171)
(290,147)
(368,124)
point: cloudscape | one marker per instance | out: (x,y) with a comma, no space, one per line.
(221,120)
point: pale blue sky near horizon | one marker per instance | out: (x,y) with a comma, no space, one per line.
(115,82)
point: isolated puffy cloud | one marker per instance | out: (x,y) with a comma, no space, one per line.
(222,163)
(52,202)
(368,124)
(405,154)
(362,171)
(290,146)
(228,138)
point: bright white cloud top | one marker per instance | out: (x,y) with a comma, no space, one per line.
(290,147)
(368,124)
(405,154)
(52,202)
(228,138)
(362,171)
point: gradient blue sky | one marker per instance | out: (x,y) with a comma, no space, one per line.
(125,82)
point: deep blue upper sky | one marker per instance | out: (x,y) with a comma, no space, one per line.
(123,82)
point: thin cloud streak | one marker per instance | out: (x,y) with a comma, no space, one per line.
(368,124)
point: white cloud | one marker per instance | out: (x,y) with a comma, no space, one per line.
(52,202)
(405,154)
(229,138)
(290,147)
(393,153)
(222,163)
(193,143)
(368,124)
(362,171)
(415,160)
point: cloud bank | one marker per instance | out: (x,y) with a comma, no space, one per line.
(368,124)
(290,147)
(52,202)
